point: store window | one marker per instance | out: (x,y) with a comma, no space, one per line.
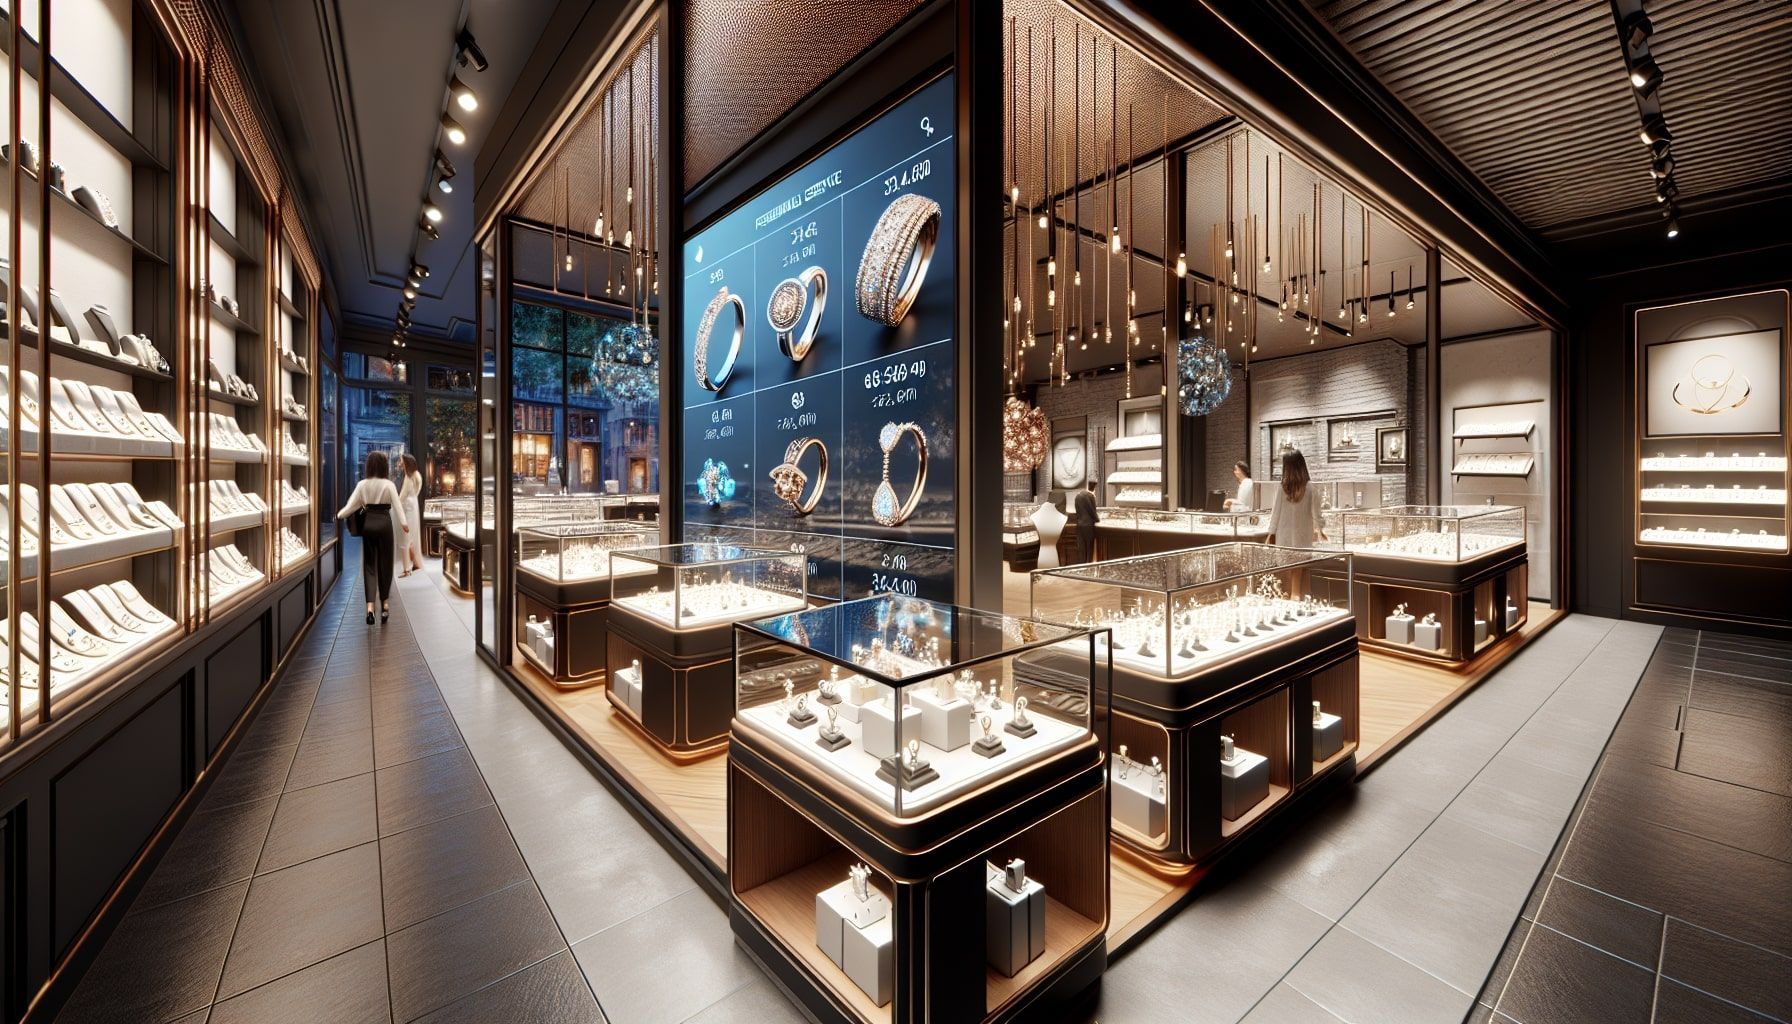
(448,445)
(452,379)
(361,366)
(374,419)
(330,475)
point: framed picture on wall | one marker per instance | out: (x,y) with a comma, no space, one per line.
(1729,384)
(1344,437)
(1390,449)
(1069,462)
(1285,438)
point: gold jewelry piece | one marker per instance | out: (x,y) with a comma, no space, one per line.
(785,310)
(895,259)
(884,506)
(789,481)
(705,326)
(1713,389)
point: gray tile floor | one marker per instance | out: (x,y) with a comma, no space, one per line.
(400,839)
(1667,898)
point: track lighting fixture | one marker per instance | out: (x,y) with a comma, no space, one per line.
(444,168)
(445,185)
(1655,129)
(1636,29)
(409,292)
(432,212)
(1673,227)
(1666,190)
(1182,264)
(1662,166)
(1645,74)
(464,97)
(466,51)
(428,228)
(418,270)
(452,129)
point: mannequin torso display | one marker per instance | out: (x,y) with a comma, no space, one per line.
(1049,522)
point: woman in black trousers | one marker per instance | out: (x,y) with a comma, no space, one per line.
(380,531)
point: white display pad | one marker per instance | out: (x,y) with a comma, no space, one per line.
(960,770)
(1437,546)
(760,604)
(1758,541)
(1213,624)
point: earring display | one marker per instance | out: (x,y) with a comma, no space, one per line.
(886,508)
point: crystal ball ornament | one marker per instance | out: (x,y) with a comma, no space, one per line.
(1203,375)
(627,363)
(1026,437)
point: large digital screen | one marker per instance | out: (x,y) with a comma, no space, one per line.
(830,428)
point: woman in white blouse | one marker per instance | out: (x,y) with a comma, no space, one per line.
(384,523)
(1294,520)
(408,495)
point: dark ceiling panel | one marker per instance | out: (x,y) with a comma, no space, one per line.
(1532,96)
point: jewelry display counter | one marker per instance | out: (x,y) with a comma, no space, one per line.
(461,533)
(916,818)
(1441,583)
(563,595)
(1020,539)
(1128,532)
(436,513)
(671,617)
(1228,648)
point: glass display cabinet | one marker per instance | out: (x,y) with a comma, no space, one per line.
(671,617)
(1714,492)
(461,532)
(1439,583)
(563,595)
(896,764)
(1226,648)
(437,513)
(1343,494)
(1128,532)
(1020,538)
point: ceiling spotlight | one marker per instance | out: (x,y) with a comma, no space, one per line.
(409,292)
(1636,29)
(445,185)
(451,128)
(1673,224)
(1655,129)
(466,51)
(1645,74)
(1662,166)
(427,228)
(418,270)
(463,96)
(433,212)
(1666,190)
(443,167)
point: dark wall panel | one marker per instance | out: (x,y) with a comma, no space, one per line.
(106,806)
(232,675)
(293,610)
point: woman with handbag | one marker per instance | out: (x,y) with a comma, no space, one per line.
(411,556)
(378,519)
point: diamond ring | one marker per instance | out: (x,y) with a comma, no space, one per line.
(789,481)
(705,326)
(786,307)
(895,259)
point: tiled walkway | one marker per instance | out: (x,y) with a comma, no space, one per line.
(399,838)
(1670,899)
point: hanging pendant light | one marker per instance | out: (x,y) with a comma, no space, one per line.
(1203,375)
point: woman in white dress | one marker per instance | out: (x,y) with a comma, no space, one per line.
(412,557)
(1294,519)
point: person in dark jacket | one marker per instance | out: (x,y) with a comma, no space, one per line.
(1086,518)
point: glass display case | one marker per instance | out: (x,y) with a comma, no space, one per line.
(910,704)
(1020,538)
(1172,615)
(570,553)
(1126,532)
(1434,533)
(691,586)
(1714,492)
(1343,494)
(670,634)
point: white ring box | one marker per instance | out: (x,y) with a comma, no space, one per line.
(869,955)
(1511,615)
(1480,631)
(877,727)
(1400,628)
(1136,802)
(1014,932)
(1429,635)
(1328,736)
(838,909)
(627,685)
(945,724)
(1244,783)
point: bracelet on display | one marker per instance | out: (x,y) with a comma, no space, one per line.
(789,481)
(785,311)
(714,484)
(896,258)
(884,505)
(705,327)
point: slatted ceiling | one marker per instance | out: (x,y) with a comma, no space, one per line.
(1531,95)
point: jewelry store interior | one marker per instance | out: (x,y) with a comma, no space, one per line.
(1321,445)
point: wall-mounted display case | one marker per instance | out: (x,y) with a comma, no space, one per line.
(1134,469)
(1342,494)
(913,776)
(1222,648)
(1438,582)
(671,615)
